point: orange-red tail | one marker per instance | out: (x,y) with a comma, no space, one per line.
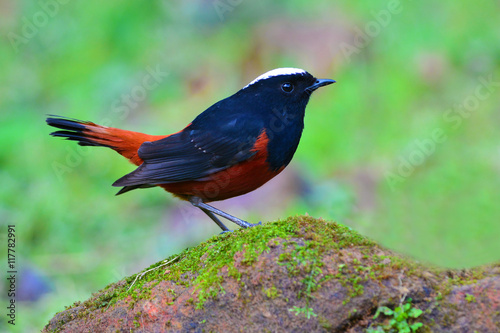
(87,133)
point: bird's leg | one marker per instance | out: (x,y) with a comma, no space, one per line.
(216,220)
(197,202)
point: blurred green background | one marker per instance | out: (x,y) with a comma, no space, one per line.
(404,148)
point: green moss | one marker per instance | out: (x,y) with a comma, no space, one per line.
(208,258)
(303,241)
(201,265)
(271,293)
(470,298)
(325,323)
(461,278)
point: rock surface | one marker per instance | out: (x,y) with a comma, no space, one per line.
(297,275)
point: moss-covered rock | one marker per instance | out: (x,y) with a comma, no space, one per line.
(300,274)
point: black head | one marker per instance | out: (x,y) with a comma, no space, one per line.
(284,87)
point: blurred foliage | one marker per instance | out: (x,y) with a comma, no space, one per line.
(403,72)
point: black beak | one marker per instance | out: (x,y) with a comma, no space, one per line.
(319,83)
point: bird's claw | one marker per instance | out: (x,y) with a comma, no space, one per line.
(255,224)
(225,231)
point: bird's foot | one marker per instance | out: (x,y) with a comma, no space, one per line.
(225,231)
(255,224)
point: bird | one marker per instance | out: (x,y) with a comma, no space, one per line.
(232,148)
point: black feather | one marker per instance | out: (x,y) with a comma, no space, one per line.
(72,129)
(130,188)
(192,154)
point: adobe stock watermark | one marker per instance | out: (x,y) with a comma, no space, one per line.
(485,88)
(31,26)
(225,6)
(422,149)
(373,28)
(120,109)
(137,94)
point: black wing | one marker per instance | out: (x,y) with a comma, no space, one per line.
(192,154)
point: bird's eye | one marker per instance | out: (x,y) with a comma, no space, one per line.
(287,87)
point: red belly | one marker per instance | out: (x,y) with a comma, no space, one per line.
(236,180)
